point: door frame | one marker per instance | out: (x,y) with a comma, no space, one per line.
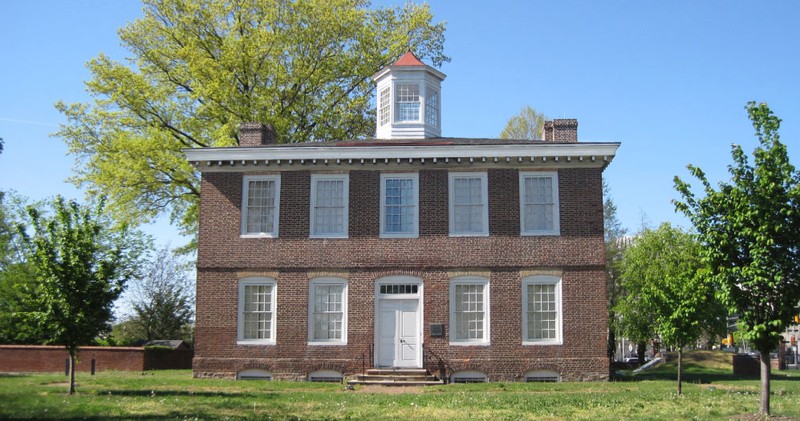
(378,297)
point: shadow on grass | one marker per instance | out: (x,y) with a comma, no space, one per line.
(699,378)
(13,375)
(189,393)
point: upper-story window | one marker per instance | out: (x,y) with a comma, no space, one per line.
(407,102)
(261,205)
(327,311)
(541,310)
(432,107)
(256,311)
(329,205)
(384,106)
(399,205)
(469,204)
(538,195)
(469,310)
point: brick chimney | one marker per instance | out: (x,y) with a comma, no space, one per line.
(256,134)
(560,130)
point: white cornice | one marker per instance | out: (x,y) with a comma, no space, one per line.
(598,154)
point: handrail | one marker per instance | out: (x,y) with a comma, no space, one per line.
(444,367)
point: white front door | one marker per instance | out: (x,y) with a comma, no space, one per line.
(398,333)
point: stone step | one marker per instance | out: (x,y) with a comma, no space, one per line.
(394,377)
(395,383)
(397,371)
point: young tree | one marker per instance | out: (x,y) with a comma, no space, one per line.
(200,68)
(666,281)
(81,267)
(749,230)
(163,303)
(527,124)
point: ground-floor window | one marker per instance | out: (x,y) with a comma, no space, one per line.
(256,311)
(469,310)
(327,311)
(541,310)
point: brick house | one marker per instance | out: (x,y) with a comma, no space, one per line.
(482,259)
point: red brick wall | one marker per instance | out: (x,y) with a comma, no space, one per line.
(32,358)
(578,252)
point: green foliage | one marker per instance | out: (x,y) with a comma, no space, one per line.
(615,246)
(81,267)
(527,124)
(162,299)
(200,68)
(749,229)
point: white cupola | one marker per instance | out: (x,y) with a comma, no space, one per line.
(409,100)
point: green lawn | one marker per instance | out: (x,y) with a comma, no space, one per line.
(176,395)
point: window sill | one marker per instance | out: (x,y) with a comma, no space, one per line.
(481,234)
(470,343)
(317,343)
(541,234)
(328,237)
(258,236)
(543,342)
(399,235)
(254,342)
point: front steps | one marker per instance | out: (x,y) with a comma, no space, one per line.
(396,377)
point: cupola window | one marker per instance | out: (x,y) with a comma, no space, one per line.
(407,102)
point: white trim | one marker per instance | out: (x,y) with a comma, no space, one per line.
(414,232)
(542,280)
(482,176)
(345,199)
(240,340)
(470,280)
(553,175)
(275,220)
(309,153)
(311,287)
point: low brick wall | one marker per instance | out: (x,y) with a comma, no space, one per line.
(33,358)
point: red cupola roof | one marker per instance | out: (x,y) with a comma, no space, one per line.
(408,59)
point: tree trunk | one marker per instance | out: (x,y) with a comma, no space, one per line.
(641,349)
(612,342)
(71,372)
(765,369)
(680,370)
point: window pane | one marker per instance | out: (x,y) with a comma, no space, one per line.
(257,312)
(468,205)
(469,311)
(329,207)
(407,102)
(538,204)
(432,108)
(328,311)
(260,207)
(542,311)
(399,206)
(383,102)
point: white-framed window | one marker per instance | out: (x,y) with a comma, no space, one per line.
(406,102)
(329,205)
(432,107)
(469,310)
(400,205)
(469,204)
(257,298)
(538,196)
(327,311)
(384,106)
(261,205)
(541,310)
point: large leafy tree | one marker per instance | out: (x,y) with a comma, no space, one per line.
(199,68)
(527,124)
(749,229)
(664,278)
(615,246)
(81,267)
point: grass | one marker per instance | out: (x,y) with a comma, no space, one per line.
(710,393)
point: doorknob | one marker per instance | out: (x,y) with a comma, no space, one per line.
(402,341)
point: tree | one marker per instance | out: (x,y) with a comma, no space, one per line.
(200,68)
(665,279)
(748,227)
(527,124)
(163,303)
(615,247)
(81,267)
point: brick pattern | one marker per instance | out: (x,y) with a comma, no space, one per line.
(34,359)
(505,256)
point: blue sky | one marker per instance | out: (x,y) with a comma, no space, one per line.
(667,79)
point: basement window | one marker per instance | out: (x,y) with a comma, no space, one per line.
(325,376)
(468,376)
(542,376)
(254,374)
